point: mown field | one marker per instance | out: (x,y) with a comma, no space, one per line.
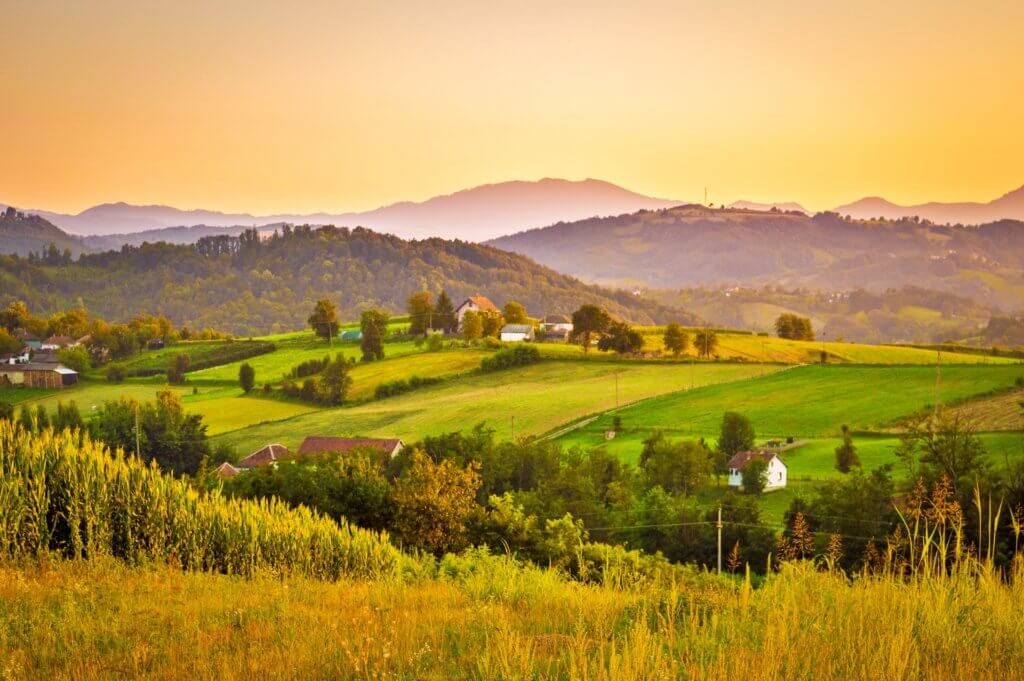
(540,398)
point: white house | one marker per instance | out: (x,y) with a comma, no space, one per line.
(557,322)
(21,357)
(517,333)
(775,475)
(474,304)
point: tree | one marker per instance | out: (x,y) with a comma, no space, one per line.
(444,314)
(677,467)
(794,327)
(492,322)
(246,377)
(946,447)
(515,313)
(472,326)
(588,321)
(14,315)
(177,441)
(324,319)
(76,358)
(621,338)
(177,368)
(432,502)
(8,343)
(335,381)
(420,307)
(676,340)
(755,476)
(374,325)
(67,416)
(706,342)
(736,434)
(846,453)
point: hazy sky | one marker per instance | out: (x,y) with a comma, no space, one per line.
(306,106)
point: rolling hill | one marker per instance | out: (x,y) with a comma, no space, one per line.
(24,234)
(694,245)
(270,286)
(474,214)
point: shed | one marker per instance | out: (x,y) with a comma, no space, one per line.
(516,333)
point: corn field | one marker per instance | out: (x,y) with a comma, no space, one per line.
(63,493)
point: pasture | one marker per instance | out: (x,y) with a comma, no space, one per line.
(539,398)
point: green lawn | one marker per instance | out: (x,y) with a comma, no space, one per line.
(539,397)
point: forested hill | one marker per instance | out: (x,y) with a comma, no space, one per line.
(248,286)
(695,245)
(24,234)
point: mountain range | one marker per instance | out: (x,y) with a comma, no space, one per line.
(694,245)
(475,214)
(1009,205)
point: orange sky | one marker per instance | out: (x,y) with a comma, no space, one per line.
(265,107)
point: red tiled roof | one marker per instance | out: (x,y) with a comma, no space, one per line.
(227,470)
(266,454)
(343,445)
(741,459)
(481,302)
(59,340)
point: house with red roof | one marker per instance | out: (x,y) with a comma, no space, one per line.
(344,445)
(775,474)
(475,303)
(265,455)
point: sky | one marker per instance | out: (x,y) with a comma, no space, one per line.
(334,106)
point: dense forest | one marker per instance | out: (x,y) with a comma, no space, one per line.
(249,285)
(700,246)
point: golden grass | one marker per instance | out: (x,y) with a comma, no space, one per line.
(67,620)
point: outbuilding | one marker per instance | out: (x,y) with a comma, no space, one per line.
(516,333)
(36,375)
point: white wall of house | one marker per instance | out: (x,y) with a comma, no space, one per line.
(776,475)
(514,336)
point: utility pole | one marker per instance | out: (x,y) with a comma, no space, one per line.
(719,526)
(137,430)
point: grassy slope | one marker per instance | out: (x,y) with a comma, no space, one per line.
(540,397)
(98,620)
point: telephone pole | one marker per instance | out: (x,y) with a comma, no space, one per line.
(718,525)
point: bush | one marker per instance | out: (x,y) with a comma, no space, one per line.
(520,355)
(116,374)
(76,358)
(435,342)
(400,386)
(310,367)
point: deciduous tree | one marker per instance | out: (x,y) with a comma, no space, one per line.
(588,321)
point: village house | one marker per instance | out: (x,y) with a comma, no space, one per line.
(58,343)
(343,445)
(516,333)
(265,455)
(28,339)
(775,475)
(475,303)
(20,357)
(226,470)
(557,322)
(37,375)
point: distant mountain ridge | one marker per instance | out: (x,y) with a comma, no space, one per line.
(1007,206)
(475,214)
(698,246)
(23,233)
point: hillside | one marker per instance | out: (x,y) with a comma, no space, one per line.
(474,214)
(1007,206)
(24,234)
(694,245)
(270,286)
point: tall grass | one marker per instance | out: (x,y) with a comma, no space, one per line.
(63,493)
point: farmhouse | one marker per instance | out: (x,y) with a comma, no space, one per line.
(343,445)
(267,454)
(37,375)
(226,470)
(775,475)
(58,343)
(517,333)
(20,357)
(475,303)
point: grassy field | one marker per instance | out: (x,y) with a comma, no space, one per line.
(77,620)
(809,402)
(540,397)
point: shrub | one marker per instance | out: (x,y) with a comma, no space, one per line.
(400,386)
(115,373)
(520,355)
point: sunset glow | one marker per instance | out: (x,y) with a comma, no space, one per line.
(267,107)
